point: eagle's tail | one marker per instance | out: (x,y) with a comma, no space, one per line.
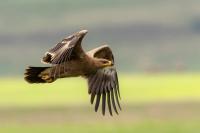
(37,75)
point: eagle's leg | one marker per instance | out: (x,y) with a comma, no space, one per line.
(45,75)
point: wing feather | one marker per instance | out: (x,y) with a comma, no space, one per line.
(102,52)
(113,102)
(104,85)
(103,103)
(92,98)
(109,104)
(97,101)
(66,50)
(104,82)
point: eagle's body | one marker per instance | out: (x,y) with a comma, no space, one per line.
(68,59)
(79,67)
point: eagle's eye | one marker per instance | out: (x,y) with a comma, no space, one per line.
(104,62)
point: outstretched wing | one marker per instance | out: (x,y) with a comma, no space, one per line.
(102,52)
(65,50)
(104,83)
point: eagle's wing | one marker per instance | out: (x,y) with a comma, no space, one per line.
(104,83)
(65,50)
(102,52)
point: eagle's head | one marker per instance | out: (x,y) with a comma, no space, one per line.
(101,63)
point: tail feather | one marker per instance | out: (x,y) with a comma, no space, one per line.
(32,74)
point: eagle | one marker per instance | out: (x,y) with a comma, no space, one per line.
(68,59)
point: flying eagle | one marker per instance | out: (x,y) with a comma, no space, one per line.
(68,59)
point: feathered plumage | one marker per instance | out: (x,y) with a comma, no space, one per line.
(68,59)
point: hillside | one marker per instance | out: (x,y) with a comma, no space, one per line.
(144,35)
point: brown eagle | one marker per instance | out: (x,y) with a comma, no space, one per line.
(68,59)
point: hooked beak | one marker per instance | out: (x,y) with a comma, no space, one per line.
(110,63)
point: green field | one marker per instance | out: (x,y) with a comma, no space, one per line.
(137,88)
(153,103)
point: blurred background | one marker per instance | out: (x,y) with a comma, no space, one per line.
(156,48)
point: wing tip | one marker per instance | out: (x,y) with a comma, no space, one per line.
(47,58)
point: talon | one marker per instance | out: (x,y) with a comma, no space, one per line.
(50,80)
(45,77)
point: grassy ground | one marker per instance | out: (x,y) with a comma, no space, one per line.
(134,89)
(167,103)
